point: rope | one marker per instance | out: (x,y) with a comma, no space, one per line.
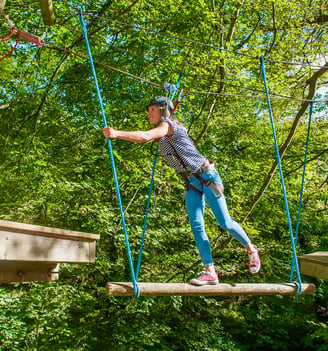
(302,186)
(152,181)
(154,31)
(104,65)
(110,149)
(12,27)
(157,32)
(12,49)
(257,97)
(177,86)
(12,31)
(192,92)
(146,215)
(299,288)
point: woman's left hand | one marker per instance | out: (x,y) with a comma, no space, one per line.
(109,132)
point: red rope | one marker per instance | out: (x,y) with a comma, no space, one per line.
(12,50)
(12,31)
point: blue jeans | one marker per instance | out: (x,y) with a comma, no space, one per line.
(195,204)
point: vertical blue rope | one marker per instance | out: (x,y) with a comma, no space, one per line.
(299,284)
(146,214)
(302,186)
(151,187)
(110,149)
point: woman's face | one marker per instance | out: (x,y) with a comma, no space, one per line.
(154,114)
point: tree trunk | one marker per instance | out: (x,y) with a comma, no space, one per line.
(311,82)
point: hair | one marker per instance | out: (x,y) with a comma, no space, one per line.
(169,115)
(162,111)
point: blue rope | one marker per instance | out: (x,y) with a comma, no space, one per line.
(110,149)
(146,214)
(299,290)
(168,87)
(177,86)
(302,186)
(134,274)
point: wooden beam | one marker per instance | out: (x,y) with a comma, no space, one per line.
(47,12)
(32,243)
(27,247)
(31,252)
(16,272)
(314,264)
(170,289)
(32,229)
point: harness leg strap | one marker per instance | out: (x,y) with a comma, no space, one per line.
(216,188)
(195,189)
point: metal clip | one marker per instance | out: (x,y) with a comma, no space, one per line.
(170,87)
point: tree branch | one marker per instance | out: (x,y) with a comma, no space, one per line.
(311,82)
(319,19)
(221,70)
(274,28)
(308,161)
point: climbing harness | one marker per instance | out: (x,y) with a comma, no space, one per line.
(180,97)
(292,237)
(186,174)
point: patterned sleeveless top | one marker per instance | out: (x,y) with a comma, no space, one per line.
(189,157)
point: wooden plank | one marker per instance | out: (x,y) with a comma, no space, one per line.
(27,247)
(30,252)
(47,12)
(46,231)
(182,289)
(11,272)
(314,264)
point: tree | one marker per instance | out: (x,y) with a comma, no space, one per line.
(55,169)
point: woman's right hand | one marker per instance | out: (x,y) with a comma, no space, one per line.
(109,132)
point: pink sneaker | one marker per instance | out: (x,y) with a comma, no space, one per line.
(205,278)
(254,261)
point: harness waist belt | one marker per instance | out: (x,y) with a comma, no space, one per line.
(206,166)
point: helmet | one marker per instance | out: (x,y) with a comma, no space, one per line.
(160,101)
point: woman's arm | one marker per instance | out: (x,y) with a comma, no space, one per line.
(139,136)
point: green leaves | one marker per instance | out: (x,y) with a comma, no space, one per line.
(55,170)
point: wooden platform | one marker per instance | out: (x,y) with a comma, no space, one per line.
(314,264)
(182,289)
(30,252)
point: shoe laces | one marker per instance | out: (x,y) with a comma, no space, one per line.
(253,257)
(202,273)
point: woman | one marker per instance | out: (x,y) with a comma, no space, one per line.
(201,179)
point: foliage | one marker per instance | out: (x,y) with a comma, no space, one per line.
(55,169)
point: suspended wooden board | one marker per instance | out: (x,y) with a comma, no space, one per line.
(47,11)
(314,264)
(182,289)
(30,252)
